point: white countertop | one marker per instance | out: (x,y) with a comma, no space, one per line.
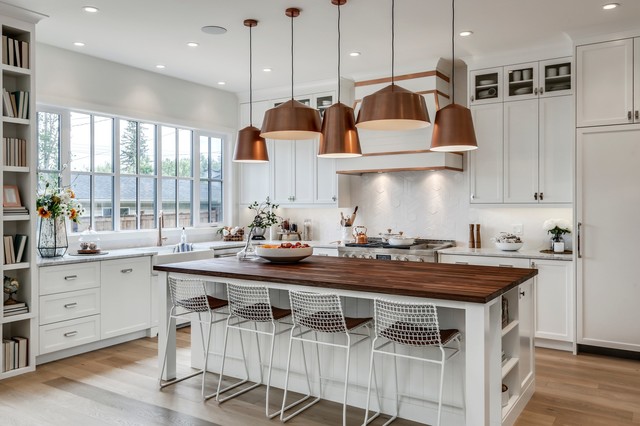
(494,252)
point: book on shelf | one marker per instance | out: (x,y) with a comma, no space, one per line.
(17,305)
(15,52)
(20,244)
(7,106)
(16,104)
(16,353)
(9,252)
(19,311)
(8,346)
(14,152)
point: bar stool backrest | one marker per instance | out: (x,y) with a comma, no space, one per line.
(317,311)
(188,295)
(412,324)
(249,302)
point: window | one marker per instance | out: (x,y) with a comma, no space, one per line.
(211,179)
(124,171)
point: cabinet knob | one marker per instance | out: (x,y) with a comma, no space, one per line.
(637,115)
(541,196)
(334,198)
(535,195)
(472,98)
(473,196)
(629,116)
(522,294)
(535,91)
(542,90)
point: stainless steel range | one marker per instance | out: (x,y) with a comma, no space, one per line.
(420,251)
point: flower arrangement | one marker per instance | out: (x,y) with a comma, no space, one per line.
(557,228)
(59,201)
(264,216)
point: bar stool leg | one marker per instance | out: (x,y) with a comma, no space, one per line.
(315,336)
(395,368)
(206,359)
(273,341)
(166,348)
(224,358)
(346,382)
(368,420)
(286,385)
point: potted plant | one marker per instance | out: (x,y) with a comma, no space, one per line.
(263,218)
(557,228)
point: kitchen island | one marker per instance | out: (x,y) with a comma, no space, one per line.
(470,298)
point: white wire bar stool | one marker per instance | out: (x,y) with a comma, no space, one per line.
(409,324)
(189,296)
(315,313)
(248,306)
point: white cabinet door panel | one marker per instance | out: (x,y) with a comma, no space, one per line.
(604,83)
(304,158)
(125,296)
(554,299)
(283,172)
(326,179)
(521,151)
(636,79)
(555,150)
(485,163)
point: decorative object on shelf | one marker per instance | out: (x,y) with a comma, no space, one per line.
(339,137)
(507,242)
(263,218)
(89,242)
(10,286)
(505,312)
(393,107)
(250,147)
(478,239)
(230,233)
(557,228)
(505,395)
(472,237)
(453,127)
(55,205)
(291,120)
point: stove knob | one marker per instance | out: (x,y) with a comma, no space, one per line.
(397,258)
(405,259)
(363,256)
(420,259)
(371,257)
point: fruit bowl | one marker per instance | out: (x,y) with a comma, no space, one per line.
(284,253)
(509,246)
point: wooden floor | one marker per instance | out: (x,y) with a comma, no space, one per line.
(118,386)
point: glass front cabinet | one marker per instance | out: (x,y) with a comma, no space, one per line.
(485,86)
(538,79)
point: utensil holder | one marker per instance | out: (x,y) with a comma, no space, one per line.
(346,234)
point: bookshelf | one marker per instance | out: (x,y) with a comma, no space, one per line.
(18,178)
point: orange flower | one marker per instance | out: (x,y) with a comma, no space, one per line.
(73,214)
(72,194)
(44,213)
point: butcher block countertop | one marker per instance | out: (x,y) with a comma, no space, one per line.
(465,283)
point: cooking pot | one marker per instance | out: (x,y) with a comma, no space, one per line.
(385,237)
(360,232)
(400,240)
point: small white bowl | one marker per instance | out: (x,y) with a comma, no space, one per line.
(509,246)
(401,241)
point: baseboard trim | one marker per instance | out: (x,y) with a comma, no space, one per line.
(617,353)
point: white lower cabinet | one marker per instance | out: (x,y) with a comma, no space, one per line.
(125,296)
(554,321)
(321,251)
(88,302)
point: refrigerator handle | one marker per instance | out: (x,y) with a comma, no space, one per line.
(578,237)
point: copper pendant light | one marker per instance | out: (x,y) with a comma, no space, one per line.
(393,108)
(291,120)
(339,138)
(453,127)
(250,147)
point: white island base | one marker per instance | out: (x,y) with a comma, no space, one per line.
(473,379)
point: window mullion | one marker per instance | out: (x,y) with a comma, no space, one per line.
(116,175)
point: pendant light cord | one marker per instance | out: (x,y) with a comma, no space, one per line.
(393,39)
(453,51)
(292,56)
(250,79)
(338,52)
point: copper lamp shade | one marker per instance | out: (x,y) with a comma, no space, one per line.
(291,120)
(251,148)
(453,130)
(393,108)
(339,137)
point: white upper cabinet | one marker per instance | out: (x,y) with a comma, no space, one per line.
(326,184)
(293,172)
(486,163)
(636,79)
(254,177)
(555,77)
(521,151)
(485,86)
(605,89)
(541,79)
(521,81)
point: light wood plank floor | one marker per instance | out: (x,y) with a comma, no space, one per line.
(118,386)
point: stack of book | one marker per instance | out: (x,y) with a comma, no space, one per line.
(16,351)
(15,52)
(15,211)
(15,309)
(14,152)
(15,104)
(14,247)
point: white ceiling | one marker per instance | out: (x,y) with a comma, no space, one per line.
(143,33)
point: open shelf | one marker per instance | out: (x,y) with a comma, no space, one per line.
(18,169)
(506,369)
(16,71)
(507,328)
(14,120)
(16,266)
(16,218)
(16,372)
(506,408)
(16,318)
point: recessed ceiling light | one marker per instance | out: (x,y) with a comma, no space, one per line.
(192,44)
(90,9)
(160,66)
(214,29)
(222,83)
(78,43)
(266,69)
(466,33)
(354,54)
(610,6)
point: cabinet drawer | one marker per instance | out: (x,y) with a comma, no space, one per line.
(58,279)
(67,334)
(66,306)
(507,262)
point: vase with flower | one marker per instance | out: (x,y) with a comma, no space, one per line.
(263,218)
(55,205)
(557,228)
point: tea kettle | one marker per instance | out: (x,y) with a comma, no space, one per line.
(360,232)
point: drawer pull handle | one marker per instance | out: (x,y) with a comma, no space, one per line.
(70,333)
(126,271)
(71,305)
(462,263)
(71,277)
(502,265)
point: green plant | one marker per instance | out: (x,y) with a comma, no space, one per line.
(557,228)
(264,216)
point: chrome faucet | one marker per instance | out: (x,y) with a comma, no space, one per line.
(160,226)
